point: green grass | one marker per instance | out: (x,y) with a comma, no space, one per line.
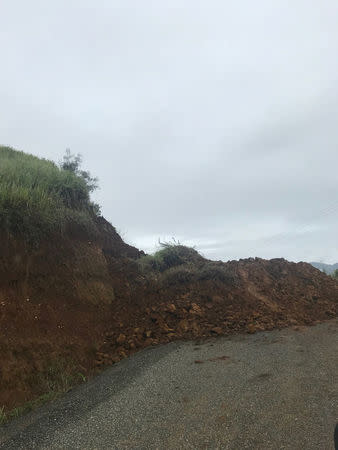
(170,255)
(176,264)
(38,198)
(26,407)
(3,415)
(55,380)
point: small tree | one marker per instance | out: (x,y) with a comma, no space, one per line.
(72,163)
(335,274)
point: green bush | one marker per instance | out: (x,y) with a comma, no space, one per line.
(38,198)
(179,275)
(335,274)
(177,264)
(170,255)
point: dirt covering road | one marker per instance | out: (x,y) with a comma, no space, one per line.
(270,390)
(76,306)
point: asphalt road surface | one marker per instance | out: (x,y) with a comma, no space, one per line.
(271,390)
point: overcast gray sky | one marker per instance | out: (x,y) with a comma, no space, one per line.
(215,121)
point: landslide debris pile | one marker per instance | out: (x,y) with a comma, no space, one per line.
(74,297)
(186,296)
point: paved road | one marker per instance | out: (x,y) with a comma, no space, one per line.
(276,390)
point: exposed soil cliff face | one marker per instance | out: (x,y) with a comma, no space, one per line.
(56,302)
(73,306)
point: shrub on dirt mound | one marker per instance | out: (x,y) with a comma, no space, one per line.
(169,256)
(194,272)
(176,264)
(38,198)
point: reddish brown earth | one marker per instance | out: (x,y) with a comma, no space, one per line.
(75,306)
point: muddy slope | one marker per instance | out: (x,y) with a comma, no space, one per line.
(74,306)
(56,303)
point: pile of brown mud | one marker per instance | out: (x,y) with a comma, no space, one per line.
(252,295)
(72,307)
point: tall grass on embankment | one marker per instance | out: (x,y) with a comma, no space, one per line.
(38,198)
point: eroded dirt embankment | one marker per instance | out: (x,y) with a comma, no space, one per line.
(72,307)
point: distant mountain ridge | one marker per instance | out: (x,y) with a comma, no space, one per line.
(329,268)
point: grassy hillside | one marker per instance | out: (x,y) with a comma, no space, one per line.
(38,198)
